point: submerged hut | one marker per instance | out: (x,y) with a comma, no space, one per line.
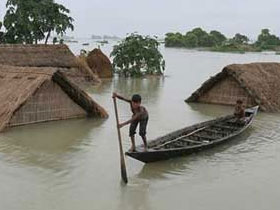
(38,94)
(82,63)
(47,56)
(255,84)
(100,64)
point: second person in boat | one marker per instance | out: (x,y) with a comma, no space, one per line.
(239,110)
(139,116)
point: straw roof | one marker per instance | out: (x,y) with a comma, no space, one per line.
(261,81)
(37,55)
(100,64)
(46,56)
(17,84)
(83,66)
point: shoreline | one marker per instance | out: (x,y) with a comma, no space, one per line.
(238,51)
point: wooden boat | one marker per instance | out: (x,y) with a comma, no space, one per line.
(194,138)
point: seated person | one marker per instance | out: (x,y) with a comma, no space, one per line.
(239,110)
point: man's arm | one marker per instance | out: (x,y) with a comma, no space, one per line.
(115,95)
(135,117)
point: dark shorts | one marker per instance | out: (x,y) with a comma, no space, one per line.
(142,129)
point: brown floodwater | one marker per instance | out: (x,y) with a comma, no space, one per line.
(74,164)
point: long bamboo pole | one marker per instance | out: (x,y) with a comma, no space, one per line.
(122,161)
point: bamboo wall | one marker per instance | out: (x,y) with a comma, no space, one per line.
(49,103)
(226,92)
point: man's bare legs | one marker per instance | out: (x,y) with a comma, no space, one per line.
(145,142)
(133,147)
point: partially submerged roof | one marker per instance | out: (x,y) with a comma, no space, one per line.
(100,63)
(261,81)
(45,56)
(37,55)
(17,84)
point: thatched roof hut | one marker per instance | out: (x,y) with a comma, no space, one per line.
(38,94)
(83,65)
(255,84)
(46,56)
(100,64)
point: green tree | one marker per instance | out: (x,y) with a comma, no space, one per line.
(203,38)
(240,39)
(137,56)
(195,38)
(218,37)
(30,21)
(267,41)
(207,41)
(191,40)
(56,19)
(198,32)
(174,40)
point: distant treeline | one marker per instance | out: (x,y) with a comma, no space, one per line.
(216,41)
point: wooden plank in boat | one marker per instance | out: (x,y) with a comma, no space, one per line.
(216,131)
(181,137)
(174,144)
(206,137)
(193,141)
(225,127)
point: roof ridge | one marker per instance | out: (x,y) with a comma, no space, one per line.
(30,72)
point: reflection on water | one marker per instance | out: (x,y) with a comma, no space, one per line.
(147,87)
(211,110)
(135,196)
(43,144)
(163,170)
(74,164)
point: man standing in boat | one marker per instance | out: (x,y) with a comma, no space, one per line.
(139,116)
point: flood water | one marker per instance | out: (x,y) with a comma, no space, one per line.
(74,164)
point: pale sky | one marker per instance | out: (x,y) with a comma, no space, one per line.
(157,17)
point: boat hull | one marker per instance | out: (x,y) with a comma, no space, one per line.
(153,155)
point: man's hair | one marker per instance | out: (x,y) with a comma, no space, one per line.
(136,98)
(239,101)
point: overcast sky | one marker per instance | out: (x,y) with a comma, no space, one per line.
(156,17)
